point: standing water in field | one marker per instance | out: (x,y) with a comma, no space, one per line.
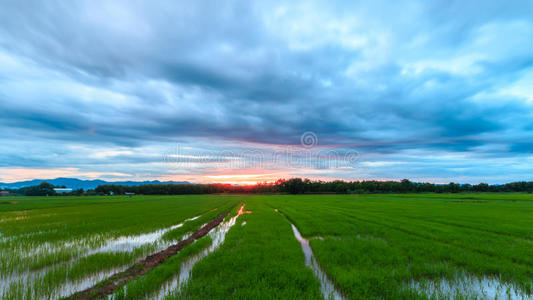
(467,286)
(26,280)
(326,286)
(130,243)
(121,244)
(218,235)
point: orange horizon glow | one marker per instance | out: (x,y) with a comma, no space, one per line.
(234,177)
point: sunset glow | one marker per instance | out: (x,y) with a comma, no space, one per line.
(350,91)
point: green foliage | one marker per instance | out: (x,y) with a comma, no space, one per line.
(150,283)
(290,186)
(372,246)
(46,242)
(43,189)
(302,186)
(260,260)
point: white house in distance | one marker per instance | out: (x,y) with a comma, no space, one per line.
(62,190)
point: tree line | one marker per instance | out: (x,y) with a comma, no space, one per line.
(45,189)
(285,186)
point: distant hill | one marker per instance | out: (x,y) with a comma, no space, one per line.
(75,183)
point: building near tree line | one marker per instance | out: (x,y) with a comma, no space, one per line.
(62,190)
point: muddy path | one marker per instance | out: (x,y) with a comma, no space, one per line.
(118,280)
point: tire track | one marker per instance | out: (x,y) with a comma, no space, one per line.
(118,280)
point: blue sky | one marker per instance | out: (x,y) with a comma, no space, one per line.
(211,91)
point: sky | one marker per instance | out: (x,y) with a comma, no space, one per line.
(249,91)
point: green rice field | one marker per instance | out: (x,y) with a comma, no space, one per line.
(383,246)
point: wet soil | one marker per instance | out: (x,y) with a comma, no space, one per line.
(118,280)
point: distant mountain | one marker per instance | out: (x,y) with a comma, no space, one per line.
(75,183)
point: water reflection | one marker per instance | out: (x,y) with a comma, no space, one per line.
(326,286)
(218,235)
(467,286)
(28,280)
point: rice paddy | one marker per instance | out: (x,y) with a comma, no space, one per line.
(408,246)
(59,250)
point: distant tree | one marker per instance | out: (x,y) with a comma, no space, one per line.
(77,192)
(453,187)
(300,186)
(293,186)
(406,186)
(482,187)
(43,189)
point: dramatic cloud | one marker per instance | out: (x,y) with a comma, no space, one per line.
(209,91)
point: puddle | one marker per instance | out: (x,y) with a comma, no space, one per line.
(218,235)
(85,283)
(130,243)
(85,247)
(122,244)
(29,292)
(466,286)
(326,285)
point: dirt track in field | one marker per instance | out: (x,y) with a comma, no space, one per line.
(141,267)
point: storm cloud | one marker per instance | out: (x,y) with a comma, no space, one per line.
(436,91)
